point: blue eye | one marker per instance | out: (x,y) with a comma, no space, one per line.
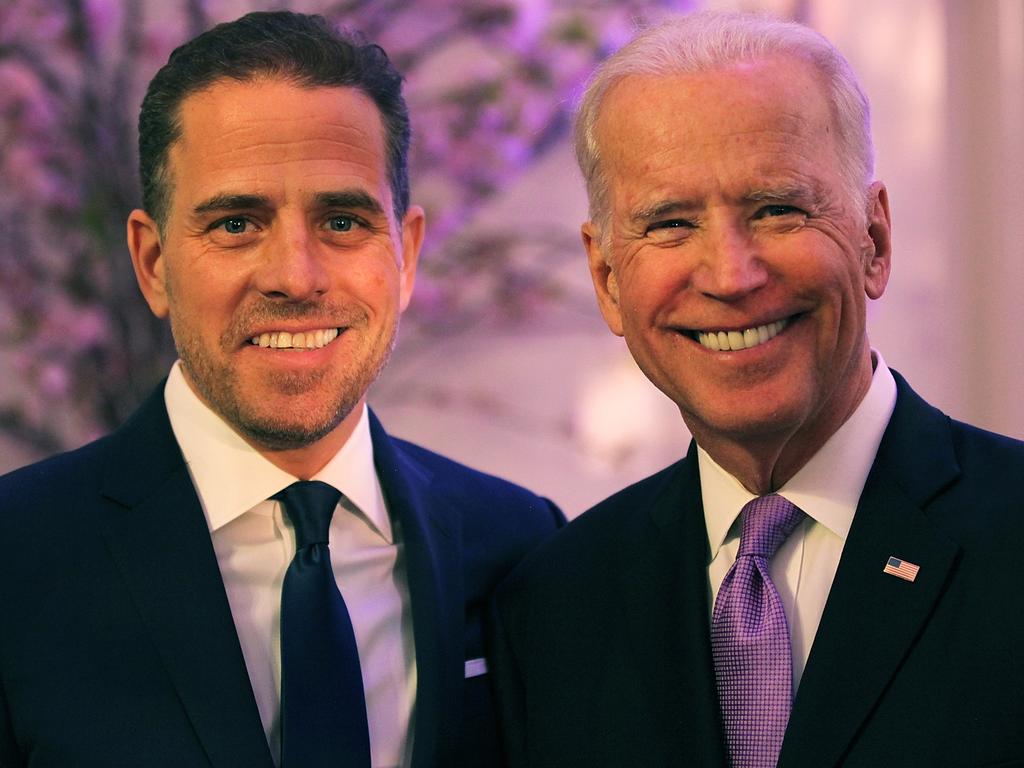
(235,226)
(341,223)
(779,210)
(671,224)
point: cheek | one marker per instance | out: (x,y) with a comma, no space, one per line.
(844,308)
(821,265)
(645,294)
(376,286)
(207,306)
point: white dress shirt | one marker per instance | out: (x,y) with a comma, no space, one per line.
(827,488)
(255,543)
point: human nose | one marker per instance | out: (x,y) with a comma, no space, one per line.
(292,268)
(731,266)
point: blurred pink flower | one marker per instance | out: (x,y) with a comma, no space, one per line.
(54,380)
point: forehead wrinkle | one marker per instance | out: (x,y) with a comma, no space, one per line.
(789,189)
(240,132)
(712,156)
(310,149)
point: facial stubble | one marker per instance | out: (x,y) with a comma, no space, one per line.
(221,388)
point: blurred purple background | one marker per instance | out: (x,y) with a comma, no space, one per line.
(503,360)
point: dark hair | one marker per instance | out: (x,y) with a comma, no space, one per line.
(302,48)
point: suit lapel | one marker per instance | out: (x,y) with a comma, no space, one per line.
(872,619)
(158,536)
(433,566)
(665,556)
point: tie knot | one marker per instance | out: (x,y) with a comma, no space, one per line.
(767,522)
(310,505)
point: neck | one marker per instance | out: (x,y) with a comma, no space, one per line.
(305,461)
(765,461)
(761,467)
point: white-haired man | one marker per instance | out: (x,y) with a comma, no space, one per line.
(828,577)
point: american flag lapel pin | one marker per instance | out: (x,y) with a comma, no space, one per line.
(901,569)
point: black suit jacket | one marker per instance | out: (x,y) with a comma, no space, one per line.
(117,646)
(601,637)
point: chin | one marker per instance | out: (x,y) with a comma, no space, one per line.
(278,431)
(283,436)
(762,423)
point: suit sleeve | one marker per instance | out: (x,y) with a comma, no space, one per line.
(557,515)
(9,757)
(507,688)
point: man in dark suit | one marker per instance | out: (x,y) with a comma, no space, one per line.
(141,581)
(829,576)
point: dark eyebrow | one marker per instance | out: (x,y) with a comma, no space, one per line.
(350,198)
(342,199)
(230,203)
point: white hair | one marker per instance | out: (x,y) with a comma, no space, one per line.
(710,40)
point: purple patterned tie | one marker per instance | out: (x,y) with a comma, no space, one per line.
(750,639)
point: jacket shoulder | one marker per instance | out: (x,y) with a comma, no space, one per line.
(589,542)
(986,486)
(924,441)
(496,522)
(464,485)
(64,475)
(986,447)
(132,456)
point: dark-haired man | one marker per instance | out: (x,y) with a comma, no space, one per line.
(169,596)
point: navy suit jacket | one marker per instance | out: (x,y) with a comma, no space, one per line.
(117,646)
(601,637)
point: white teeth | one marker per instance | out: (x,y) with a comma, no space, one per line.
(300,341)
(726,341)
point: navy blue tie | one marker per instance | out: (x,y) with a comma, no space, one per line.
(323,710)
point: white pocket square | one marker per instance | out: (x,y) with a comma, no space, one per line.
(476,667)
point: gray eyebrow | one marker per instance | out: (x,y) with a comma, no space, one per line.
(659,209)
(785,192)
(804,192)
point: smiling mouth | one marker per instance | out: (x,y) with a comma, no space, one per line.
(730,341)
(300,342)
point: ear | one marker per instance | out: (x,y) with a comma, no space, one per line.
(606,285)
(413,229)
(877,250)
(147,253)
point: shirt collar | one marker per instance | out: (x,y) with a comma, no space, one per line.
(231,477)
(828,487)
